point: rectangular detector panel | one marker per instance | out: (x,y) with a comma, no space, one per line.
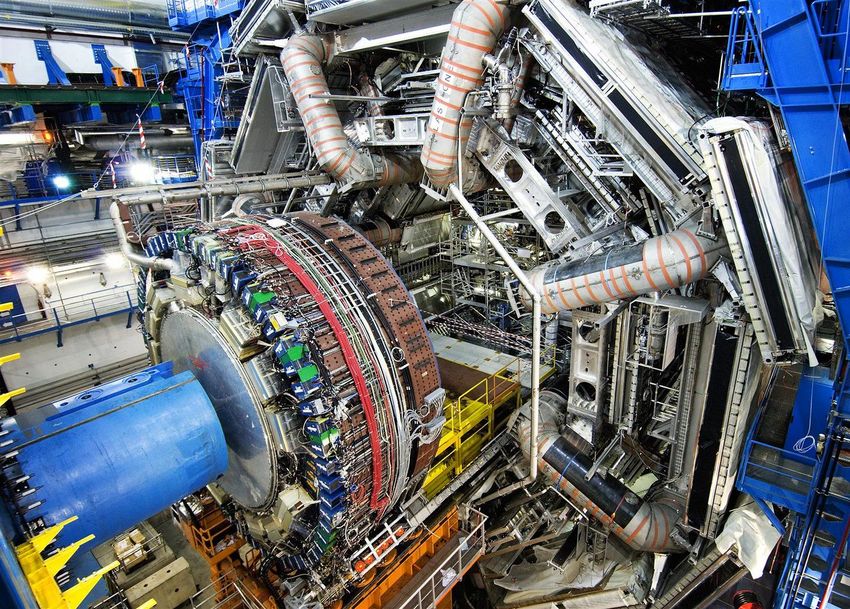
(776,284)
(608,90)
(711,430)
(259,147)
(761,252)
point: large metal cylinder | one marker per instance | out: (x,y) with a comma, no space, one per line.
(136,12)
(107,143)
(642,525)
(661,263)
(320,369)
(113,455)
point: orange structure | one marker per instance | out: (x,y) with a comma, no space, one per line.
(215,539)
(385,587)
(396,573)
(9,73)
(118,75)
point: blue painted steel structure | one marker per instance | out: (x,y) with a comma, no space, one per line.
(55,74)
(115,454)
(186,14)
(102,59)
(17,115)
(202,86)
(794,53)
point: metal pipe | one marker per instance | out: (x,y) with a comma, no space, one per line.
(302,61)
(131,13)
(661,263)
(105,143)
(642,525)
(233,186)
(535,339)
(135,258)
(519,87)
(476,26)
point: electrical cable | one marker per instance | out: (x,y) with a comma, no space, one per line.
(807,442)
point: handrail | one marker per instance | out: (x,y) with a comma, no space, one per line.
(81,310)
(743,49)
(472,543)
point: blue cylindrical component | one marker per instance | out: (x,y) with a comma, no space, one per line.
(114,455)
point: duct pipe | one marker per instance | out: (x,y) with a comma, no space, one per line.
(131,13)
(302,61)
(642,525)
(368,89)
(536,331)
(476,26)
(233,186)
(379,232)
(661,263)
(135,258)
(106,143)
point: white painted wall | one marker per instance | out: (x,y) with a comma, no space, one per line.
(71,57)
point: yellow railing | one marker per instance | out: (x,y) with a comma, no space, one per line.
(479,410)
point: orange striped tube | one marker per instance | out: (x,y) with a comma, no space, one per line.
(666,262)
(565,462)
(302,61)
(476,26)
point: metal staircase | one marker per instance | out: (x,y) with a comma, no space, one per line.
(213,85)
(794,53)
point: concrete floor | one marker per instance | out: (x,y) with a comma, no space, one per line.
(174,538)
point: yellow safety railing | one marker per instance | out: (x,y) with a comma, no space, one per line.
(469,411)
(479,410)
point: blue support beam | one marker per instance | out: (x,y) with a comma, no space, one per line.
(201,86)
(81,113)
(794,53)
(17,115)
(102,59)
(55,74)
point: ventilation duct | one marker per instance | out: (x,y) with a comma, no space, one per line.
(642,525)
(302,61)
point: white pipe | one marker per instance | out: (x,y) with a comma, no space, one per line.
(535,340)
(662,263)
(214,188)
(135,258)
(476,26)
